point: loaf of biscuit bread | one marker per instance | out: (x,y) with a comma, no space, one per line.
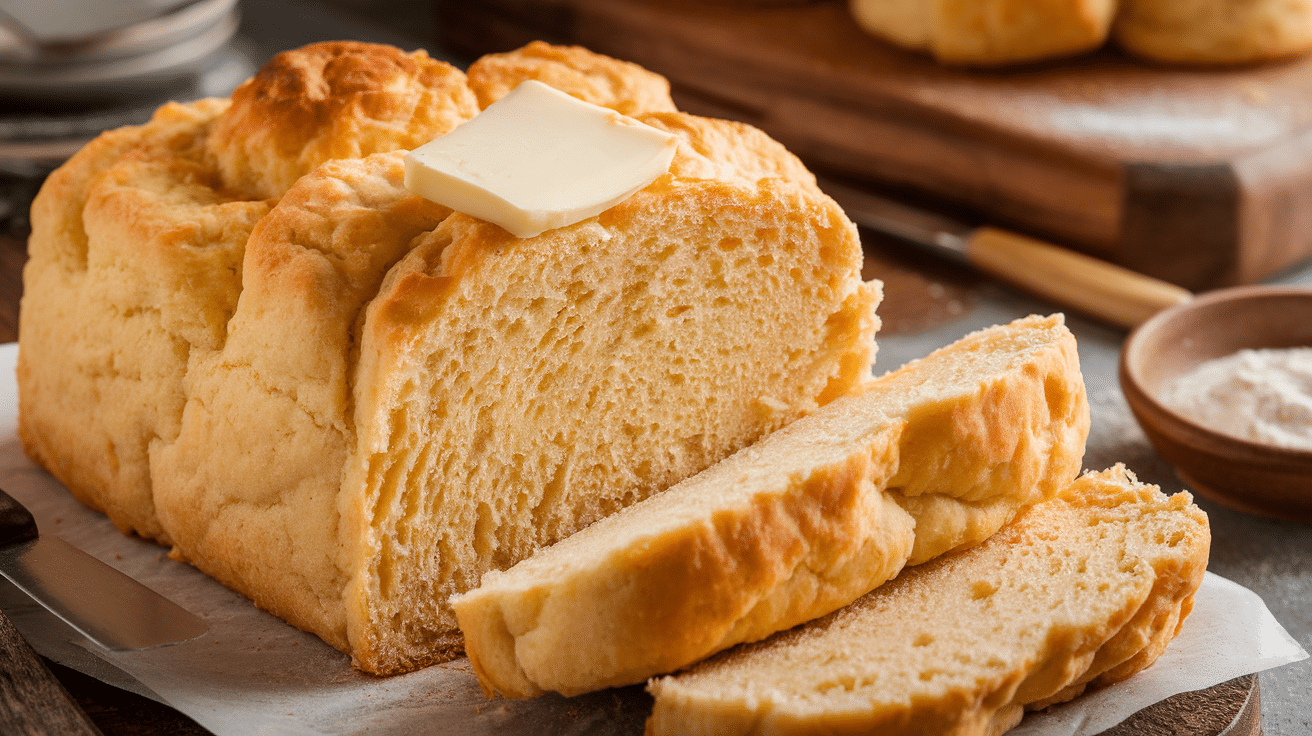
(1079,592)
(988,32)
(242,336)
(932,457)
(1214,31)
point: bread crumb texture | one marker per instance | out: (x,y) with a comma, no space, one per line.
(1078,592)
(242,336)
(933,457)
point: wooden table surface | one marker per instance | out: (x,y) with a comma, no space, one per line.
(13,254)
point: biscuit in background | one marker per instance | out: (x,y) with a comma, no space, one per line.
(1208,32)
(988,32)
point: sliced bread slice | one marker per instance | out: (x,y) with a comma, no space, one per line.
(934,456)
(1079,592)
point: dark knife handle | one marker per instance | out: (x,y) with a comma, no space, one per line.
(16,523)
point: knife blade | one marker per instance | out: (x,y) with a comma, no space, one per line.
(102,603)
(1100,289)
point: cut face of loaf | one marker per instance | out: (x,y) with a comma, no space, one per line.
(1079,592)
(934,456)
(346,405)
(511,392)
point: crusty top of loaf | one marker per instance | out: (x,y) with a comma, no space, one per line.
(338,99)
(727,150)
(591,77)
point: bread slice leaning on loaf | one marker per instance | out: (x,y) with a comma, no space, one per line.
(932,457)
(1079,592)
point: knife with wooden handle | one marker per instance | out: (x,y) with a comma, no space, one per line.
(1100,289)
(102,603)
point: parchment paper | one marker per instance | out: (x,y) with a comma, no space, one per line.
(253,674)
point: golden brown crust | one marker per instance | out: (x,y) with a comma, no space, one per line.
(139,240)
(1026,434)
(134,264)
(263,516)
(330,100)
(591,77)
(727,150)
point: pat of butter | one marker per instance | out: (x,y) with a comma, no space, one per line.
(539,159)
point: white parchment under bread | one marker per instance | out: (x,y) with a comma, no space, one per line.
(252,673)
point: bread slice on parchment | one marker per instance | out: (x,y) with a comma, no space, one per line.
(1079,592)
(932,457)
(988,32)
(244,337)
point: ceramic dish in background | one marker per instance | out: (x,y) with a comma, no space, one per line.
(1241,474)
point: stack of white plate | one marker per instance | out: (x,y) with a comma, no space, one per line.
(71,68)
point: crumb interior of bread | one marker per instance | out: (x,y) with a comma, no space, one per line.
(573,367)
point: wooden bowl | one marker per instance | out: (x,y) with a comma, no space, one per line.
(1244,475)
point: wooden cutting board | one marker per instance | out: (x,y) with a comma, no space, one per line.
(1200,177)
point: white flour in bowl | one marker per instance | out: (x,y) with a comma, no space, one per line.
(1259,395)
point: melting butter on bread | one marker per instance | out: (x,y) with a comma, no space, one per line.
(1079,592)
(932,457)
(243,337)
